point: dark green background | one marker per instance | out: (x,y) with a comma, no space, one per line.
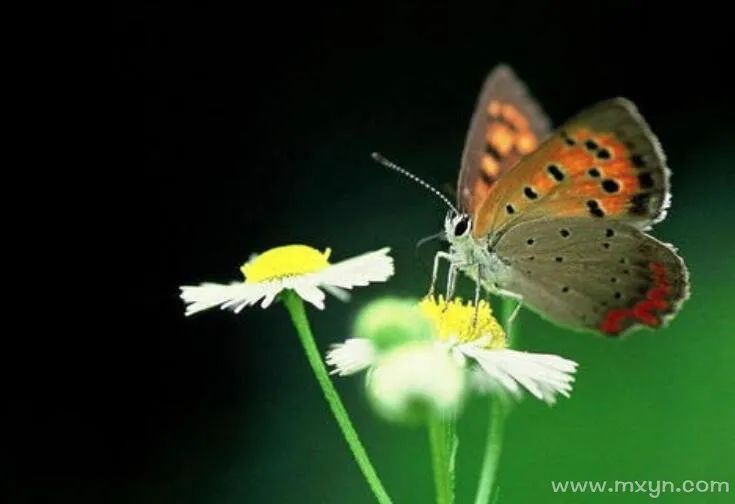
(236,131)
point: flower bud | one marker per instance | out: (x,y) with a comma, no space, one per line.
(391,322)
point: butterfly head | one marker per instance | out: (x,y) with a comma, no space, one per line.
(457,227)
(464,248)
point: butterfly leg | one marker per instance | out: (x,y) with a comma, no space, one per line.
(435,272)
(512,295)
(451,280)
(478,282)
(516,309)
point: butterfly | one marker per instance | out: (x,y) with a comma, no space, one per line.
(557,219)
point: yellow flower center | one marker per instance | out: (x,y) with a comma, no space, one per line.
(462,322)
(280,262)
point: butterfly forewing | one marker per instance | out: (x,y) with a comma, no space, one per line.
(603,276)
(603,165)
(506,125)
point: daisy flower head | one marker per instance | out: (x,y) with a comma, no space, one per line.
(473,334)
(299,268)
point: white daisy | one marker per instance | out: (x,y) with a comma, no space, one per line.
(472,334)
(300,268)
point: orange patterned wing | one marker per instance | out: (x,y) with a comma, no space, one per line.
(604,164)
(506,125)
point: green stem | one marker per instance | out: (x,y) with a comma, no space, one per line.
(295,307)
(507,307)
(499,409)
(493,448)
(443,442)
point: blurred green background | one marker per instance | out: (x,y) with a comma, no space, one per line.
(242,130)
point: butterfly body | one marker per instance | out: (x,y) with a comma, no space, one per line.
(473,256)
(557,219)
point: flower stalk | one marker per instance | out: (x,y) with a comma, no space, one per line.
(443,443)
(295,307)
(499,409)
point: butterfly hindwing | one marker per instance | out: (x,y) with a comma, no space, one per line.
(506,125)
(584,273)
(604,165)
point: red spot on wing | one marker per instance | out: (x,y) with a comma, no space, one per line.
(643,311)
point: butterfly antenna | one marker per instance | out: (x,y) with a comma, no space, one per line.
(427,239)
(390,164)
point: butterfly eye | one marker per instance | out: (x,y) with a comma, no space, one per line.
(462,226)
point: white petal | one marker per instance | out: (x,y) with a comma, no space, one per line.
(337,292)
(271,295)
(308,291)
(234,296)
(359,271)
(351,357)
(543,375)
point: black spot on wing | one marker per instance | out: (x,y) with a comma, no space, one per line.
(555,172)
(567,139)
(637,161)
(639,203)
(492,152)
(594,208)
(530,193)
(645,180)
(610,186)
